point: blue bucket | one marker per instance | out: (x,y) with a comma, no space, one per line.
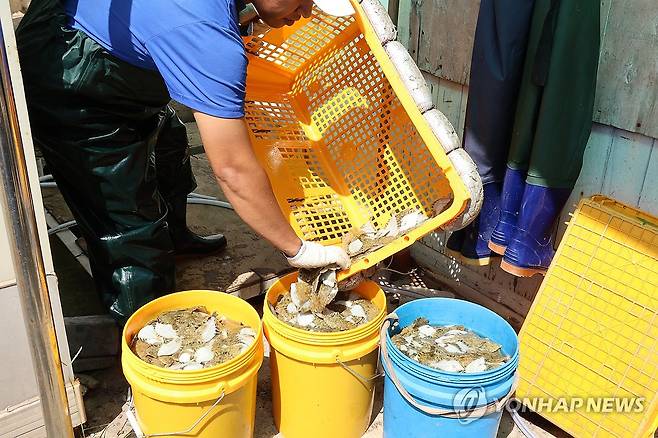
(420,401)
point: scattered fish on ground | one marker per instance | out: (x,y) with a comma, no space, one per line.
(349,310)
(449,348)
(191,339)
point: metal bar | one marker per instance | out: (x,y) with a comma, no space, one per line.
(23,235)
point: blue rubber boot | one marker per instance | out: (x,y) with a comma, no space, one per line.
(510,202)
(474,239)
(530,250)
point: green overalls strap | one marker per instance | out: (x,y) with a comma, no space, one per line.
(554,110)
(118,153)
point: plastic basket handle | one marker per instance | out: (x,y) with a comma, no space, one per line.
(132,419)
(481,411)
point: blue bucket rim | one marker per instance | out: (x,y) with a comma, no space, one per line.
(451,376)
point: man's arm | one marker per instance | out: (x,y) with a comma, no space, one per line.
(244,181)
(248,189)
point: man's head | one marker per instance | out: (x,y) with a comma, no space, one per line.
(279,13)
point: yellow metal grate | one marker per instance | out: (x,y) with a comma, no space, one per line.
(592,331)
(339,135)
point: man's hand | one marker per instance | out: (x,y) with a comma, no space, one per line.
(313,255)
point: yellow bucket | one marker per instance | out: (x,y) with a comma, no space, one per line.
(212,402)
(322,383)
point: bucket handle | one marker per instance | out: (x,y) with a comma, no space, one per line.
(481,411)
(132,419)
(358,375)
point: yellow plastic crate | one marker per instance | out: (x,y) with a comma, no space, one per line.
(340,136)
(592,330)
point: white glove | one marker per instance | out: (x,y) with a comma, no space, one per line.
(314,255)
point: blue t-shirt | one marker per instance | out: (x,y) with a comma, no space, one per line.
(194,44)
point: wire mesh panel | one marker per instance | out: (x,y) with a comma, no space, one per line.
(340,148)
(592,331)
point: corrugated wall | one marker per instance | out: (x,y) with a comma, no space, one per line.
(621,159)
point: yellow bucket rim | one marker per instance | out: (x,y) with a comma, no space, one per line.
(271,322)
(189,376)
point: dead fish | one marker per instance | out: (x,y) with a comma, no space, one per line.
(411,220)
(454,349)
(477,366)
(170,347)
(147,334)
(448,365)
(192,366)
(328,288)
(368,229)
(165,330)
(354,247)
(357,311)
(208,330)
(390,230)
(248,331)
(185,357)
(426,330)
(455,332)
(203,355)
(305,319)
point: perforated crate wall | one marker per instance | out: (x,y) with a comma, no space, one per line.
(340,137)
(592,330)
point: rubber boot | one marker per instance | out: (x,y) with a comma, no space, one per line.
(454,243)
(187,243)
(530,250)
(510,202)
(474,239)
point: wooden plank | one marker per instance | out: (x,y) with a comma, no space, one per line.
(590,181)
(404,22)
(627,166)
(414,29)
(449,98)
(627,92)
(649,194)
(447,30)
(498,287)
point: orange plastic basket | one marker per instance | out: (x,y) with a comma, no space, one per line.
(340,136)
(591,335)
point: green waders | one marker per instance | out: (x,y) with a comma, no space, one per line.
(554,110)
(118,153)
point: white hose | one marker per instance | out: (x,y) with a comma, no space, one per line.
(192,198)
(520,422)
(61,227)
(213,202)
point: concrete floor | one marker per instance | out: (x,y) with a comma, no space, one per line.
(246,252)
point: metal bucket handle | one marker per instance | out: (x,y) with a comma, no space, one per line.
(132,419)
(481,411)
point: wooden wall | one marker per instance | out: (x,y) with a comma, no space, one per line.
(621,158)
(439,35)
